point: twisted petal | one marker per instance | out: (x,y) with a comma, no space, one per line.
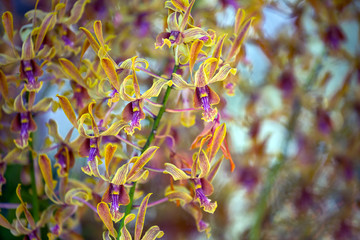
(155,89)
(153,233)
(175,172)
(141,161)
(179,82)
(223,73)
(76,12)
(162,39)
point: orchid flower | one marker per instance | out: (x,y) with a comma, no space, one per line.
(130,91)
(29,68)
(23,122)
(204,96)
(201,173)
(90,147)
(151,234)
(67,201)
(65,156)
(177,33)
(116,194)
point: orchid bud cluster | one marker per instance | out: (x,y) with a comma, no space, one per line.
(113,111)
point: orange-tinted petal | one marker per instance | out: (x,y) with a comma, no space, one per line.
(110,71)
(68,110)
(141,217)
(76,12)
(104,213)
(175,172)
(141,161)
(47,24)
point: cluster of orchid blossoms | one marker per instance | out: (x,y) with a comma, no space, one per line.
(98,87)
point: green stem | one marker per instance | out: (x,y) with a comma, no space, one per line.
(35,200)
(146,146)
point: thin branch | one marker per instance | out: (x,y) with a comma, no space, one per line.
(180,110)
(151,73)
(87,204)
(154,203)
(128,142)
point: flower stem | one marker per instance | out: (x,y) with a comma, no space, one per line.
(35,201)
(154,203)
(146,146)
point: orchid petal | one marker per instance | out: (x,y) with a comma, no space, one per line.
(162,39)
(68,110)
(82,193)
(239,19)
(214,169)
(216,54)
(194,52)
(77,12)
(22,207)
(204,164)
(28,52)
(47,24)
(125,235)
(3,85)
(183,197)
(94,44)
(120,175)
(216,141)
(42,106)
(7,21)
(45,167)
(104,213)
(179,82)
(72,71)
(109,154)
(155,89)
(114,129)
(224,71)
(141,217)
(175,172)
(196,33)
(239,40)
(186,16)
(141,161)
(153,233)
(110,71)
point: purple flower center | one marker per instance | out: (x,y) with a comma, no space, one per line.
(67,41)
(24,132)
(93,149)
(136,114)
(203,94)
(115,197)
(174,36)
(29,71)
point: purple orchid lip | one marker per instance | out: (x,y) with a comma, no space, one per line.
(93,149)
(24,132)
(136,114)
(115,197)
(28,71)
(67,41)
(174,36)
